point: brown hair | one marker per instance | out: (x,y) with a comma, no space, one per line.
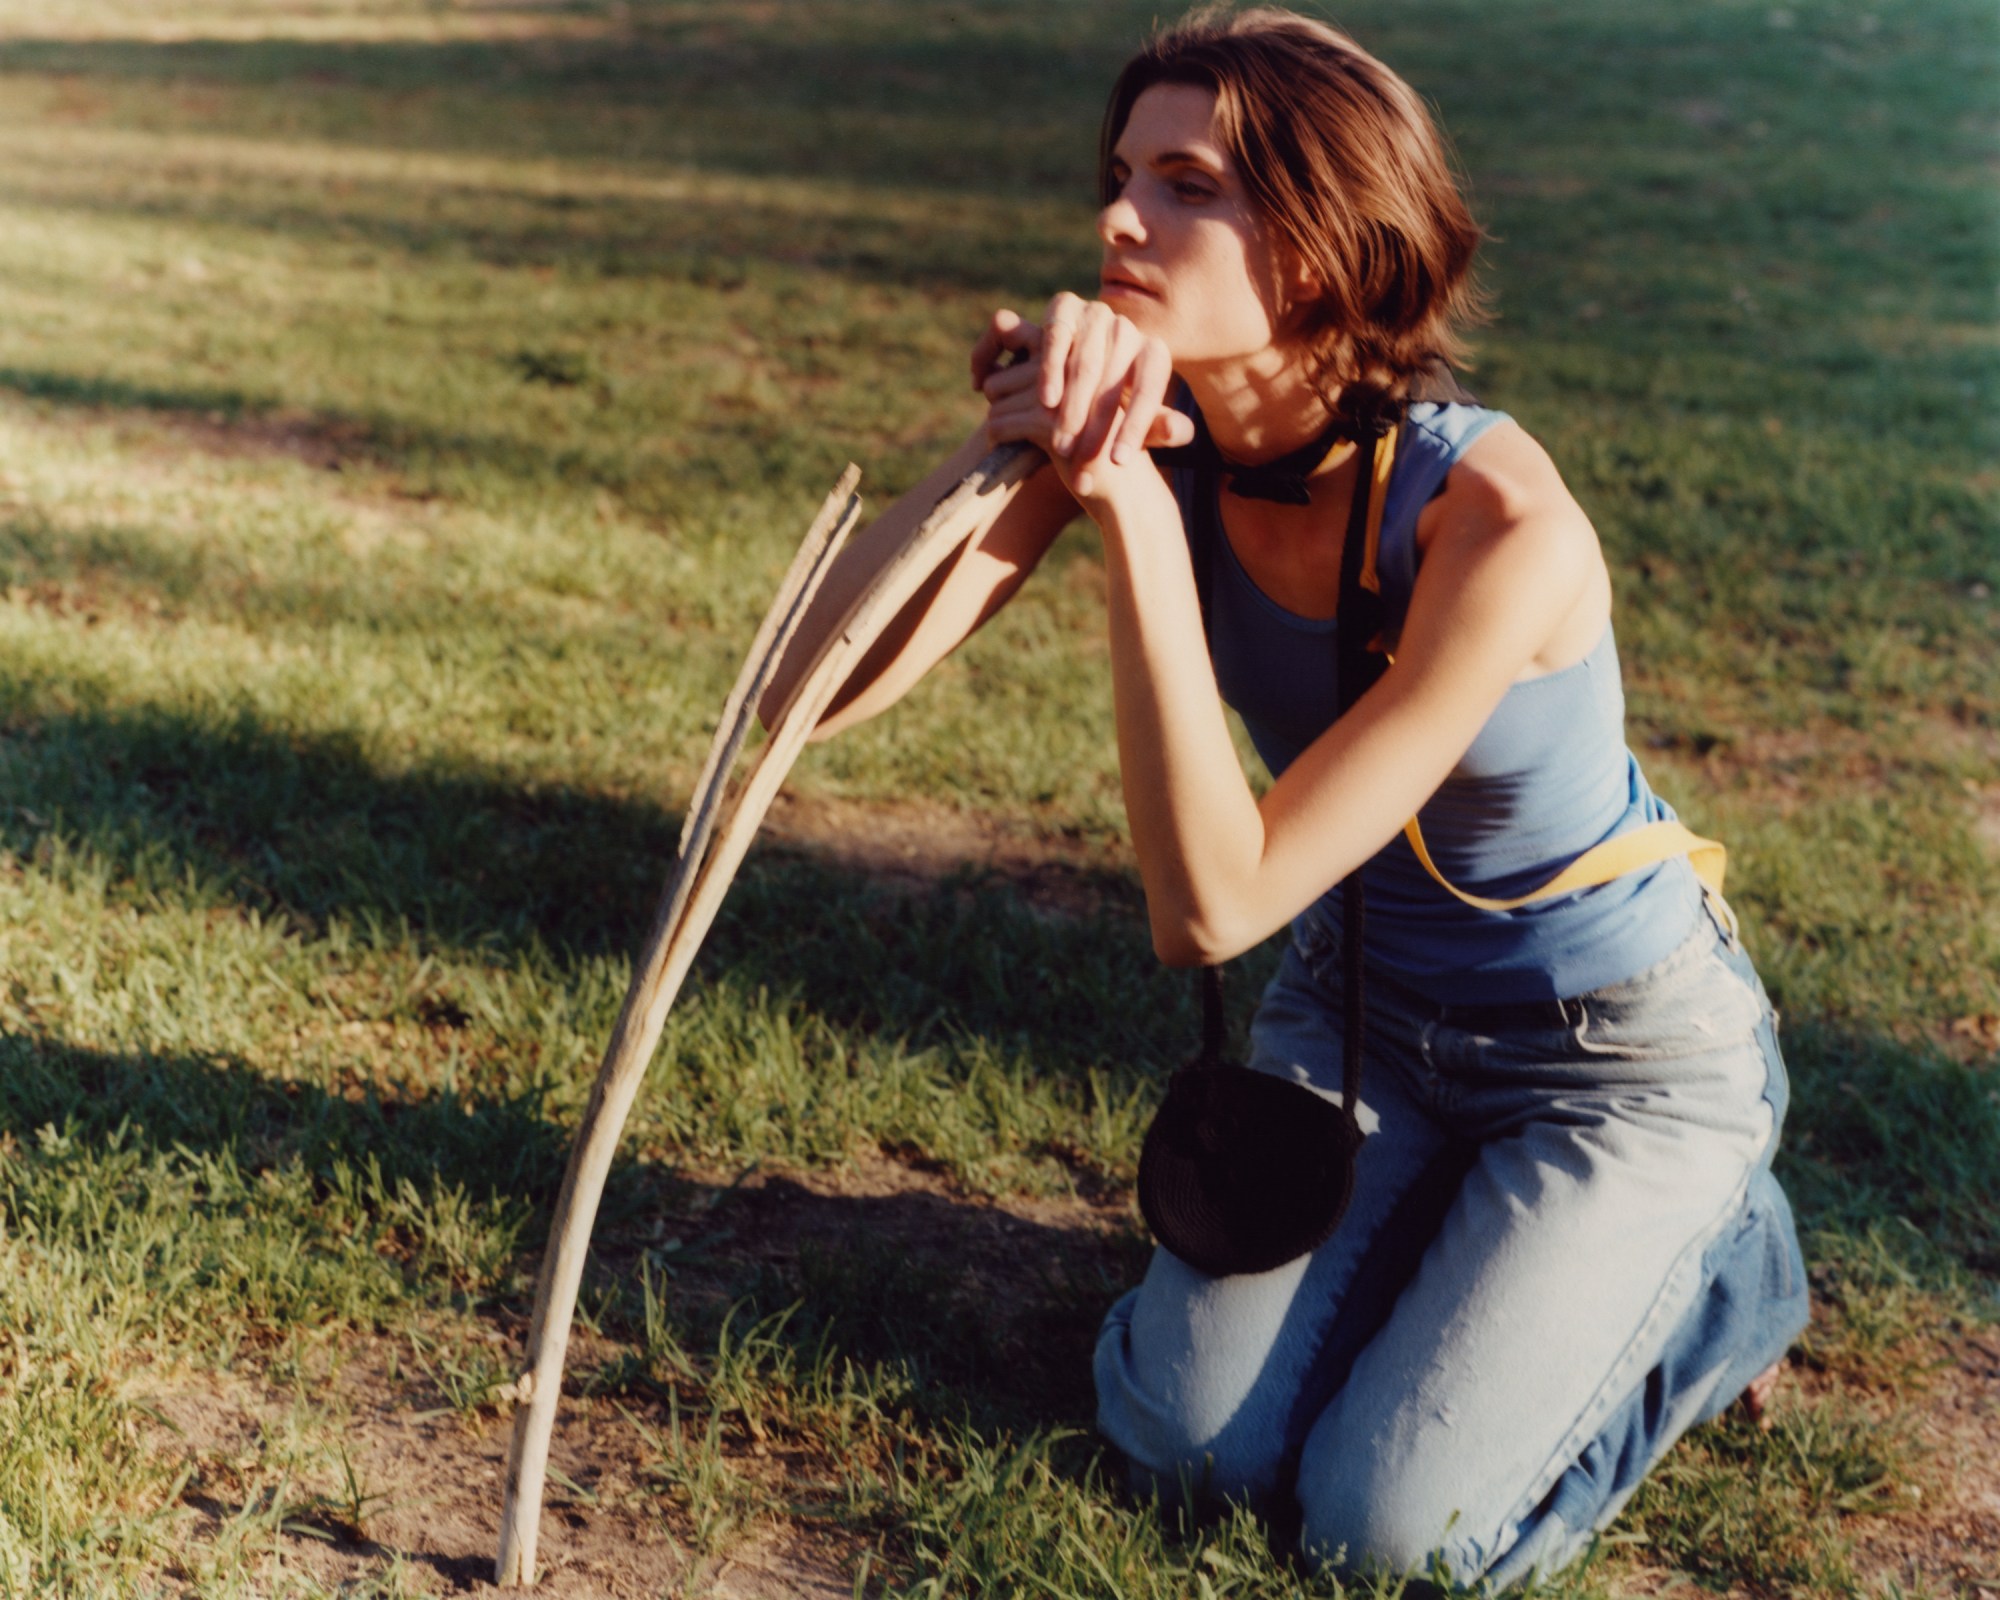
(1343,161)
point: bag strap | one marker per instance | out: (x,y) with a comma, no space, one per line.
(1360,663)
(1379,470)
(1356,628)
(1209,982)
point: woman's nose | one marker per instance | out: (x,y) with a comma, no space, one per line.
(1119,223)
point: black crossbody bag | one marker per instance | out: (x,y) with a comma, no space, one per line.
(1242,1171)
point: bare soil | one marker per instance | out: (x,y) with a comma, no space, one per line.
(917,845)
(430,1484)
(1950,1536)
(428,1479)
(431,1478)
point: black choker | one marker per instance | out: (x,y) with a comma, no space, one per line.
(1283,481)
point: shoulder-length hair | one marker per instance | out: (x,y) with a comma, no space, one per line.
(1351,175)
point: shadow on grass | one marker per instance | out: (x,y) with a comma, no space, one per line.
(309,827)
(1010,104)
(906,241)
(328,436)
(284,1200)
(505,1148)
(1886,1138)
(181,808)
(989,1314)
(175,809)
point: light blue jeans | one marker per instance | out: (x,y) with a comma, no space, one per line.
(1565,1248)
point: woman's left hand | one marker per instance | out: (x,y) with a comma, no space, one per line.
(1086,385)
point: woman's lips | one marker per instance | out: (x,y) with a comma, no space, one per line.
(1117,282)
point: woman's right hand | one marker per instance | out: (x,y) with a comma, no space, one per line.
(1085,384)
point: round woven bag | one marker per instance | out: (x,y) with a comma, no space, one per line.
(1242,1172)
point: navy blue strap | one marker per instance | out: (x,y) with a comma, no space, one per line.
(1358,668)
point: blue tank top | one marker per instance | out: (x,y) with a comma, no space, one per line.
(1546,778)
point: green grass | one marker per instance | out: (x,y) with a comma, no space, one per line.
(405,414)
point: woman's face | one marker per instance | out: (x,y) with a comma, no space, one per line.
(1186,255)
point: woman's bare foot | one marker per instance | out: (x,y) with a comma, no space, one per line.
(1756,1399)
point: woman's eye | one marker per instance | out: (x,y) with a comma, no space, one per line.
(1192,189)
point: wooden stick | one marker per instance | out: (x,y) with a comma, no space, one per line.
(687,910)
(555,1299)
(823,540)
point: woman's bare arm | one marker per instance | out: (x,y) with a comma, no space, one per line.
(1511,581)
(1511,564)
(982,576)
(965,591)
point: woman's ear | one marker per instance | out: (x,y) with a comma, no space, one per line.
(1302,285)
(1299,291)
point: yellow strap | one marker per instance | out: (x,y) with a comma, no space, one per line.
(1383,463)
(1616,856)
(1623,853)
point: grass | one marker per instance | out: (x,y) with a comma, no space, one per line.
(405,413)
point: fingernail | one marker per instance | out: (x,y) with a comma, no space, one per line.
(1121,452)
(1061,443)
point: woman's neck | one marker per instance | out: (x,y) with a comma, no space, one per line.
(1257,411)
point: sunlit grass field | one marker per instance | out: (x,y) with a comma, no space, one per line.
(406,411)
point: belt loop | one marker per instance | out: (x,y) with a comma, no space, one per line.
(1724,917)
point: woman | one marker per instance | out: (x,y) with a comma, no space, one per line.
(1565,1245)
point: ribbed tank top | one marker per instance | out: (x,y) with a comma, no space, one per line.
(1547,777)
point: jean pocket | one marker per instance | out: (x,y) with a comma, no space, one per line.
(1690,1004)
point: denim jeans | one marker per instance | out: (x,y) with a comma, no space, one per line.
(1565,1247)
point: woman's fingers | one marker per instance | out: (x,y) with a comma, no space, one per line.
(1092,370)
(987,350)
(1007,334)
(1098,422)
(1018,415)
(1024,373)
(1170,429)
(1129,385)
(1083,384)
(1145,401)
(1059,329)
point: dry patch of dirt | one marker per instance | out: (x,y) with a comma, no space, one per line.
(328,443)
(1785,767)
(919,845)
(1952,1536)
(88,602)
(421,1483)
(429,1482)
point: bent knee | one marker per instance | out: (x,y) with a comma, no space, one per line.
(1173,1454)
(1178,1440)
(1376,1524)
